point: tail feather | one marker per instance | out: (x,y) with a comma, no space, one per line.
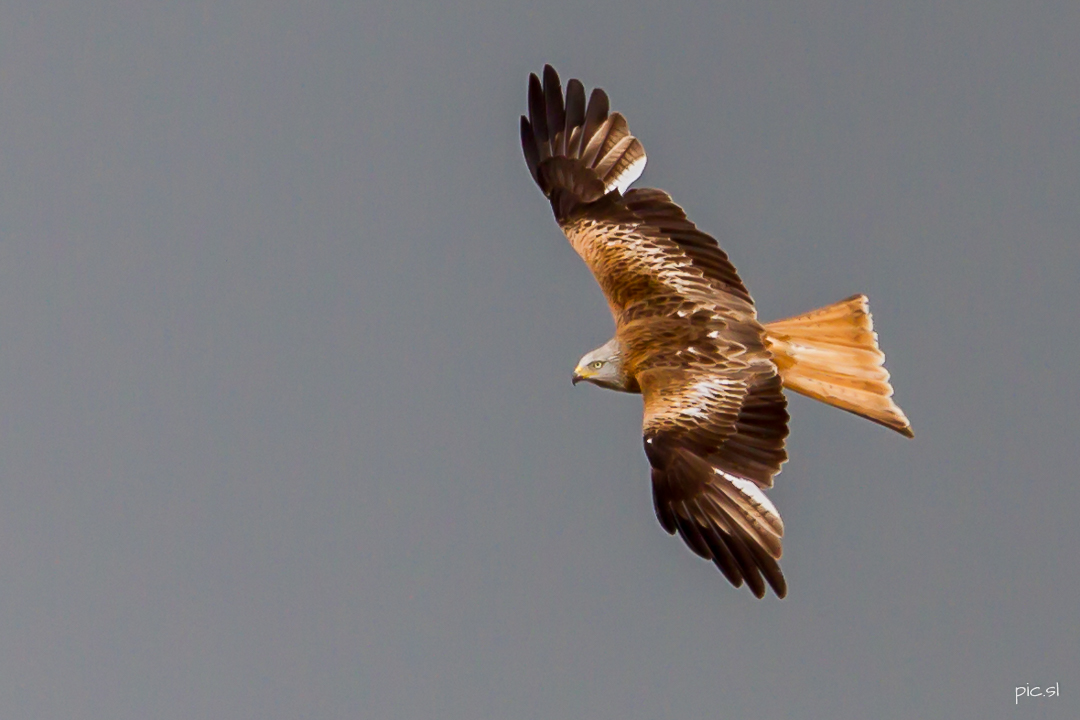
(831,354)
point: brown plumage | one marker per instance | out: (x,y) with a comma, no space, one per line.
(688,339)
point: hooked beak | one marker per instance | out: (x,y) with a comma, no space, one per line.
(579,375)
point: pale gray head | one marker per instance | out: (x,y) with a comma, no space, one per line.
(604,367)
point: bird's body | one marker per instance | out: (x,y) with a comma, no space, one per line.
(688,339)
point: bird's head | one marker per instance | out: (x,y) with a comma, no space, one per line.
(603,367)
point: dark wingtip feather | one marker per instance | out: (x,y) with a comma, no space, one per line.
(528,145)
(747,563)
(575,114)
(723,559)
(553,99)
(771,570)
(664,515)
(537,113)
(596,112)
(558,130)
(690,534)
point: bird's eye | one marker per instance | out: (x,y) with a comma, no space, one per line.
(596,364)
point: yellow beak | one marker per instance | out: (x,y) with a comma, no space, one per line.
(580,374)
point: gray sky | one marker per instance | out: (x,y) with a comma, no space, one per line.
(286,336)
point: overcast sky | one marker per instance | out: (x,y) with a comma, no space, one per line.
(287,331)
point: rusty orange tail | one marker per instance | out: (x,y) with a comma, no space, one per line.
(831,354)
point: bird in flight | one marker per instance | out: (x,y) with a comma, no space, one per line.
(687,338)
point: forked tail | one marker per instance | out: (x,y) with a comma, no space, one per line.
(831,354)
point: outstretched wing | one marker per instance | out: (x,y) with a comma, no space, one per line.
(636,242)
(714,429)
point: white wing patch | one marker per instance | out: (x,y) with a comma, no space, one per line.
(765,510)
(626,178)
(703,395)
(712,388)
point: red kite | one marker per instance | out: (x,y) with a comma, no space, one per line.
(687,338)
